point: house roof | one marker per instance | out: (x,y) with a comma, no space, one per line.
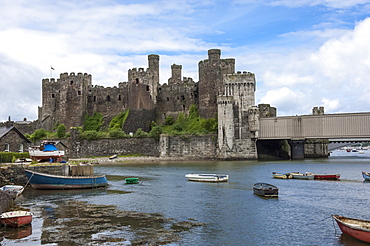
(4,130)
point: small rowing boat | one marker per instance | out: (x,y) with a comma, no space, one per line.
(45,181)
(265,189)
(366,176)
(207,177)
(298,175)
(357,228)
(16,218)
(326,176)
(13,190)
(281,175)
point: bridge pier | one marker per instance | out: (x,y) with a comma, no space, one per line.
(297,149)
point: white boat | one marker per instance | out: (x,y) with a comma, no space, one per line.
(46,152)
(21,160)
(281,175)
(207,177)
(13,190)
(298,175)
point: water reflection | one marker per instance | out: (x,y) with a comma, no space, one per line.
(16,233)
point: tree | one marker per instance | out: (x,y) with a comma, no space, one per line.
(61,131)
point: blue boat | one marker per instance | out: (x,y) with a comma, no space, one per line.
(366,176)
(45,181)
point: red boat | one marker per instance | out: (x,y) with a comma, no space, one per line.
(359,229)
(16,218)
(326,176)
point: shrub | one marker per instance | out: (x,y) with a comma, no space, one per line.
(90,135)
(140,133)
(116,133)
(118,120)
(155,132)
(38,134)
(61,131)
(93,123)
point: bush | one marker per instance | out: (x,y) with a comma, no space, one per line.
(116,133)
(118,120)
(169,120)
(140,133)
(9,157)
(155,132)
(90,135)
(61,131)
(38,134)
(93,123)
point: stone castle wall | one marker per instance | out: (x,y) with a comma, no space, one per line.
(191,147)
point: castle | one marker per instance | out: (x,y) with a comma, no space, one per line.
(220,92)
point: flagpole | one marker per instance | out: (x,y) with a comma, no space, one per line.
(51,71)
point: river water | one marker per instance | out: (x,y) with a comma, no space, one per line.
(301,215)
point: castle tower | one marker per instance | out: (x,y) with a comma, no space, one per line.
(65,100)
(153,74)
(211,73)
(238,118)
(147,80)
(176,74)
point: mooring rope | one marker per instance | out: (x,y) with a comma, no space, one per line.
(29,180)
(318,221)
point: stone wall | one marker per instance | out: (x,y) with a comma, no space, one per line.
(12,175)
(106,147)
(192,147)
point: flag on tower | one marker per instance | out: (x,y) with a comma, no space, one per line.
(51,68)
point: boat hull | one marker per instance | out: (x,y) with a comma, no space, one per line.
(350,228)
(207,177)
(302,175)
(56,182)
(13,190)
(366,176)
(16,218)
(327,176)
(266,190)
(281,175)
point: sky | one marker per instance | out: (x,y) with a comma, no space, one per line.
(304,53)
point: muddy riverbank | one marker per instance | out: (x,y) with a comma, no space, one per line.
(82,223)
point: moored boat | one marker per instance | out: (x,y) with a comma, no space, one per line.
(366,175)
(47,151)
(298,175)
(59,182)
(16,218)
(207,177)
(13,190)
(132,180)
(265,189)
(281,175)
(357,228)
(326,176)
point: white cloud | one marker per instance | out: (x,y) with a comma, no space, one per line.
(336,74)
(330,105)
(338,4)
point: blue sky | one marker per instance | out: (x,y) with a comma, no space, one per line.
(304,53)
